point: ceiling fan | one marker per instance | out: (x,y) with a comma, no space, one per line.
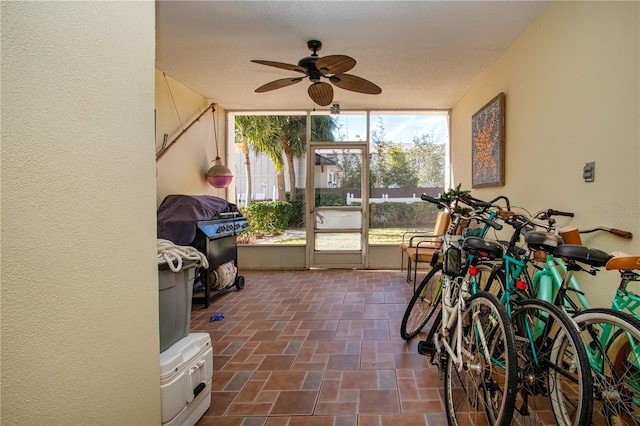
(332,67)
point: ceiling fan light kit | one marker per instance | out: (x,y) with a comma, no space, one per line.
(332,68)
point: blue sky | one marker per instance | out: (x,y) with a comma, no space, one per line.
(398,127)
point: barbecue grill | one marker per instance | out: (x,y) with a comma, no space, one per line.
(216,239)
(211,225)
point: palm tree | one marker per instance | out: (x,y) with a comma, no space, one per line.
(277,146)
(253,132)
(276,135)
(293,131)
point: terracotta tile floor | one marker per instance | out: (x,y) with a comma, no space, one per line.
(317,348)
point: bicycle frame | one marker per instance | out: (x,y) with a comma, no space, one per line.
(454,224)
(450,312)
(457,288)
(626,301)
(513,269)
(555,269)
(555,275)
(454,290)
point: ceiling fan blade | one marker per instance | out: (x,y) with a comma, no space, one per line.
(282,65)
(321,93)
(355,84)
(278,84)
(335,64)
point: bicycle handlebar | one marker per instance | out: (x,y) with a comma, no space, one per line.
(520,221)
(470,201)
(477,203)
(491,223)
(619,232)
(552,212)
(501,197)
(516,220)
(425,197)
(474,202)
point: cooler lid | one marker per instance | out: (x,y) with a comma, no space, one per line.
(180,353)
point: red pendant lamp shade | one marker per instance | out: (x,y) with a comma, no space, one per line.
(218,176)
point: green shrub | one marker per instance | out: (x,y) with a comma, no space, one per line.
(330,199)
(297,213)
(269,217)
(402,215)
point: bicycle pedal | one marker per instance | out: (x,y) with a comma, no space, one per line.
(426,348)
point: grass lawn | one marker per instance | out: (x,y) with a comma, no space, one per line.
(376,236)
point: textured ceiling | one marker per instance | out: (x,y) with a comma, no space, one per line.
(423,54)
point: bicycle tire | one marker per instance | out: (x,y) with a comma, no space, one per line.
(484,278)
(553,367)
(496,283)
(482,391)
(615,364)
(423,304)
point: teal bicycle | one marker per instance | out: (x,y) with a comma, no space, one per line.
(553,369)
(611,336)
(553,373)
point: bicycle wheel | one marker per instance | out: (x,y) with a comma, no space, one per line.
(423,304)
(487,280)
(482,387)
(612,340)
(496,283)
(553,368)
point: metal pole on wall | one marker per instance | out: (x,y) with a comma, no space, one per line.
(160,153)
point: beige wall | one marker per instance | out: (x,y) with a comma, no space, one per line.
(182,169)
(572,96)
(80,341)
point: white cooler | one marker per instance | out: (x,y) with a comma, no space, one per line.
(186,370)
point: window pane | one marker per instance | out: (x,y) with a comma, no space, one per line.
(407,159)
(338,241)
(345,127)
(264,144)
(338,219)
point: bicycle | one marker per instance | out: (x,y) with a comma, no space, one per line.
(425,301)
(475,343)
(616,382)
(611,336)
(553,364)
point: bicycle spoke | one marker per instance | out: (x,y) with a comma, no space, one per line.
(613,342)
(482,387)
(424,303)
(553,366)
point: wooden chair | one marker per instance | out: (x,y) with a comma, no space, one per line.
(420,248)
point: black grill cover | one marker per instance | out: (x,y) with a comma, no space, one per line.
(179,214)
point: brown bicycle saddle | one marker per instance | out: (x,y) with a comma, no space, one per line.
(623,262)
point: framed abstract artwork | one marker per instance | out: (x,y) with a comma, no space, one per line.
(487,144)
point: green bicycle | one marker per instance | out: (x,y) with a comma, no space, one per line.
(611,336)
(553,368)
